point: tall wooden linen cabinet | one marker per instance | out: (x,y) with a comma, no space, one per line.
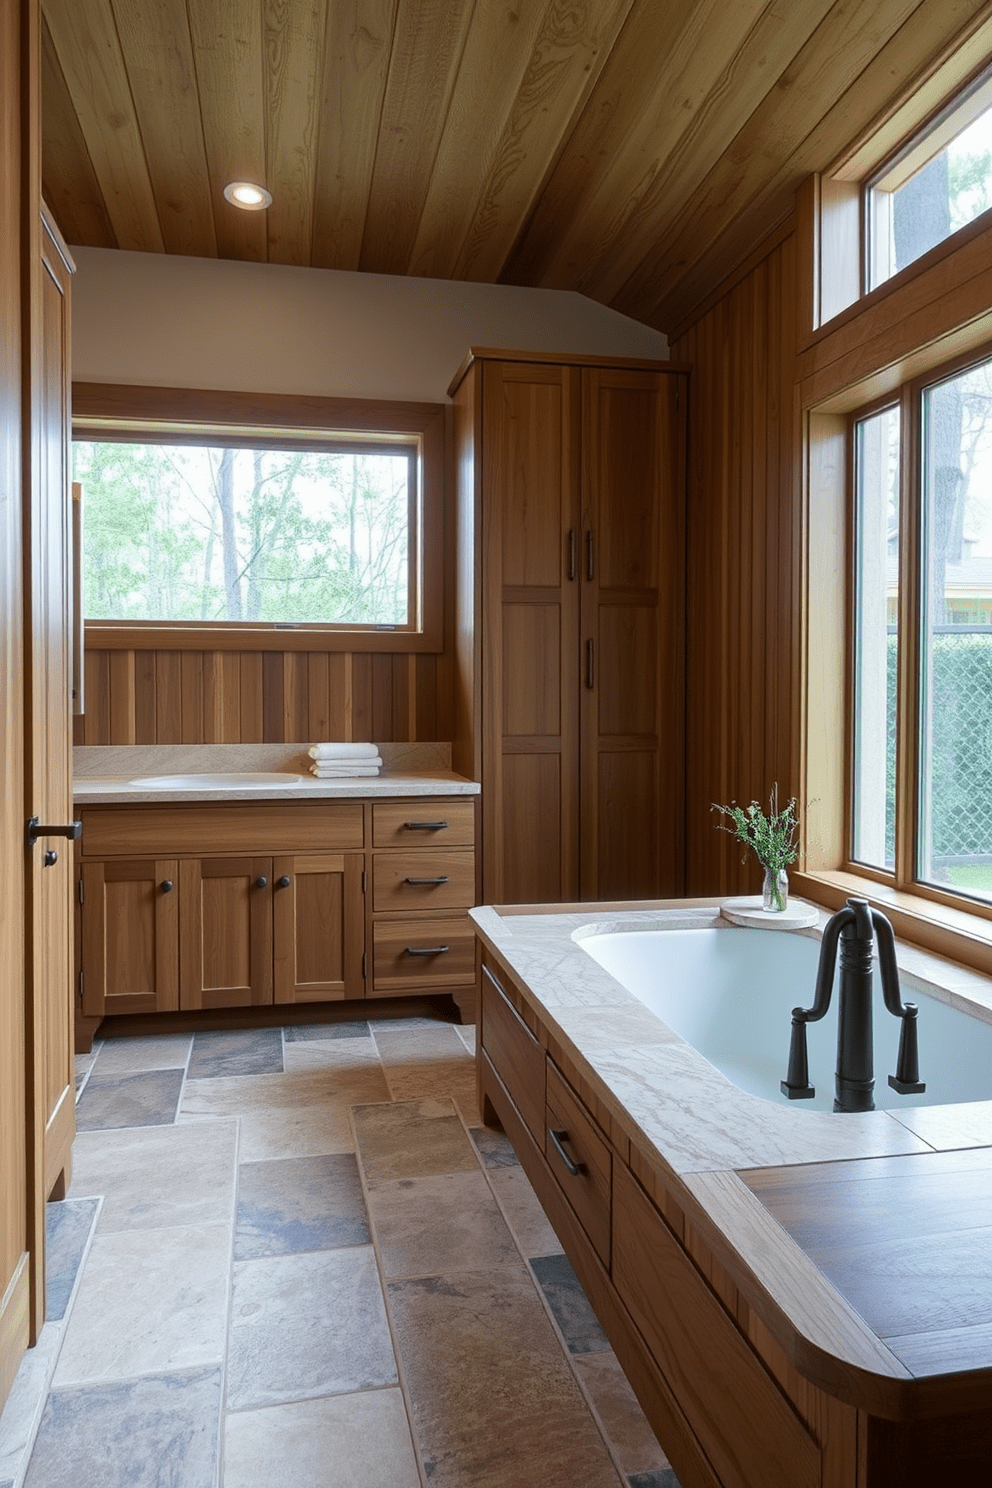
(569,654)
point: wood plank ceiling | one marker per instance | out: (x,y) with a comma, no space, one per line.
(633,150)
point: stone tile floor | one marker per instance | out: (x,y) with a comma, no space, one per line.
(296,1257)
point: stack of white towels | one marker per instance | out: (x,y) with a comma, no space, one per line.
(335,761)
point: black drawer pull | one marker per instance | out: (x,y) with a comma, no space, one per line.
(442,878)
(167,886)
(558,1137)
(425,826)
(427,950)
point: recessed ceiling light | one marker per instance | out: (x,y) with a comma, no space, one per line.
(248,196)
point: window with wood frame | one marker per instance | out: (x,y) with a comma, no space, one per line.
(921,652)
(224,518)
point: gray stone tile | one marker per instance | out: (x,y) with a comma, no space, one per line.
(522,1210)
(147,1099)
(661,1477)
(410,1139)
(404,1025)
(420,1045)
(307,1325)
(343,1055)
(297,1204)
(569,1305)
(322,1031)
(341,1441)
(151,1177)
(125,1056)
(249,1051)
(158,1432)
(493,1399)
(22,1412)
(447,1222)
(68,1226)
(494,1147)
(149,1302)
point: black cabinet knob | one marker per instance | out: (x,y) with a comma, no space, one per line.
(261,882)
(50,857)
(167,886)
(282,883)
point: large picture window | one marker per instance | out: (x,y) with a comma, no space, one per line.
(255,518)
(922,745)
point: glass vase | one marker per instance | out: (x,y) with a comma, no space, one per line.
(775,891)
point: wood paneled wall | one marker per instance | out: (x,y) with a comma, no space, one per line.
(743,563)
(252,697)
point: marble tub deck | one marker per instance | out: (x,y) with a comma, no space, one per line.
(296,1256)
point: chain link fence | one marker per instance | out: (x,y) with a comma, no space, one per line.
(960,697)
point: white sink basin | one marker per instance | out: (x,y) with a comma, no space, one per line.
(217,780)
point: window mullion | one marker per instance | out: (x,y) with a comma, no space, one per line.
(909,690)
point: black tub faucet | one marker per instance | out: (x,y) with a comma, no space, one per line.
(853,926)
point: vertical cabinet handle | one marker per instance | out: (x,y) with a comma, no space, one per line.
(590,664)
(559,1138)
(590,556)
(572,568)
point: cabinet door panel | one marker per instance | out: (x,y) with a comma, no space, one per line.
(318,927)
(226,941)
(532,680)
(539,841)
(130,937)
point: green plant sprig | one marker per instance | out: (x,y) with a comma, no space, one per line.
(773,838)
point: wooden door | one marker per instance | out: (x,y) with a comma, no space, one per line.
(318,927)
(530,513)
(48,736)
(130,940)
(17,119)
(631,588)
(225,932)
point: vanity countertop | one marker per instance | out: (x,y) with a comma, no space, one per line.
(773,1183)
(122,775)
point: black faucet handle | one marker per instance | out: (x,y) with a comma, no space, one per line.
(907,1076)
(796,1083)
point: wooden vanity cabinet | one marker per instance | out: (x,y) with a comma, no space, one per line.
(202,908)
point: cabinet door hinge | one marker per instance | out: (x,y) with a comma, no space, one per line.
(79,890)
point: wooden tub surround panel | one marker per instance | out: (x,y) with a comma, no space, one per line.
(750,1310)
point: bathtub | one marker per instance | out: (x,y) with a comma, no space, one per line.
(730,992)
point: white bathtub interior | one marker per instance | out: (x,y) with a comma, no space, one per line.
(730,993)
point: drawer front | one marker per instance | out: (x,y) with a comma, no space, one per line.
(421,953)
(236,827)
(516,1055)
(739,1417)
(572,1138)
(424,880)
(423,823)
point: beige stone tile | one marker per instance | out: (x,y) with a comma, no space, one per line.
(307,1325)
(290,1131)
(421,1045)
(125,1056)
(527,1220)
(493,1400)
(341,1441)
(623,1420)
(156,1176)
(239,1095)
(149,1301)
(338,1054)
(442,1223)
(410,1139)
(454,1079)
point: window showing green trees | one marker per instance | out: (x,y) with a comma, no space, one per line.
(193,533)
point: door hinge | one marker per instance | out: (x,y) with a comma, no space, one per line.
(79,890)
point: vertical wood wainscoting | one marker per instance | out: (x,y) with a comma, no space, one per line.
(262,697)
(743,561)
